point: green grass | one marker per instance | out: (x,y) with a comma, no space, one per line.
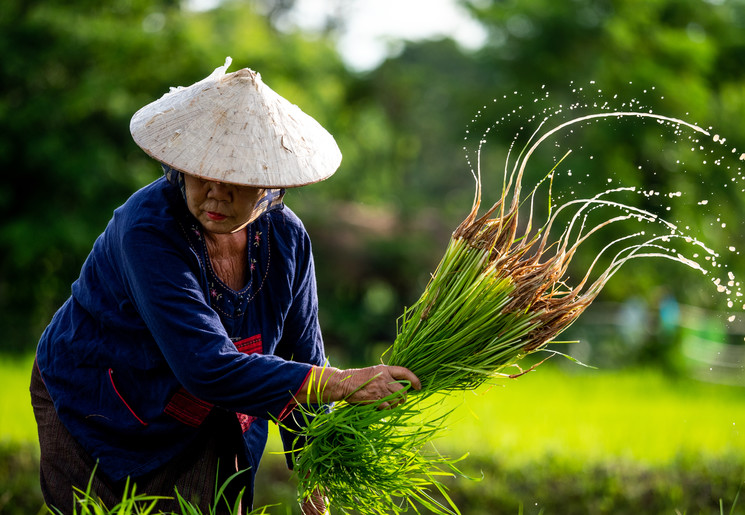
(609,441)
(637,415)
(17,423)
(593,441)
(640,415)
(634,415)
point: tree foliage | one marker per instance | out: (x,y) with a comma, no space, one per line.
(73,73)
(72,76)
(684,50)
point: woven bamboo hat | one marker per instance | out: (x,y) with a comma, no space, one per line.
(233,128)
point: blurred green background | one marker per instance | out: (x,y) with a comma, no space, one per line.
(73,72)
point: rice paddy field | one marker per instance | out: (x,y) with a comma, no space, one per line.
(638,415)
(16,417)
(556,440)
(596,441)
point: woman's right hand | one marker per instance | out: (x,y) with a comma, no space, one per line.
(359,385)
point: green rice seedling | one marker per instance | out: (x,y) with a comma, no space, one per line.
(734,503)
(188,508)
(361,455)
(501,291)
(133,503)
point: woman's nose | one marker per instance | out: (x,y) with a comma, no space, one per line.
(219,191)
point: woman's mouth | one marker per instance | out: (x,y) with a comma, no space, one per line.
(215,217)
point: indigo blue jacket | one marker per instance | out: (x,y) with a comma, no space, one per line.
(151,340)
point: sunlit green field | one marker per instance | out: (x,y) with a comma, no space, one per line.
(592,416)
(569,423)
(16,416)
(598,442)
(641,415)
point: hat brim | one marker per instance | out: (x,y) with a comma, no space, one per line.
(234,128)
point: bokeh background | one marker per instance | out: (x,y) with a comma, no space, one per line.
(655,427)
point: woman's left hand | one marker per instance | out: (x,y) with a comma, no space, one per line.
(315,505)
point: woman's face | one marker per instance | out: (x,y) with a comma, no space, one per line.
(221,208)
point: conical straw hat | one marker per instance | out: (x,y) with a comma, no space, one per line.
(233,128)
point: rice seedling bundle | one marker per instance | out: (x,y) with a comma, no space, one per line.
(500,292)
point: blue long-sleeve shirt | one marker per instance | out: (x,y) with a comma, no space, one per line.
(151,340)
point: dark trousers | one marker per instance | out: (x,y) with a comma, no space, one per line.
(204,465)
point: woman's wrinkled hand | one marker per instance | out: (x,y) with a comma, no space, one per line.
(316,504)
(359,385)
(371,384)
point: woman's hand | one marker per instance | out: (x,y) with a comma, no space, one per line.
(366,385)
(358,385)
(316,504)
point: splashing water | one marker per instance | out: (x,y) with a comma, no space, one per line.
(620,181)
(595,185)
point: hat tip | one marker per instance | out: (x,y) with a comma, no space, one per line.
(247,73)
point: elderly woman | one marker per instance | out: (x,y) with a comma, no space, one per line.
(194,320)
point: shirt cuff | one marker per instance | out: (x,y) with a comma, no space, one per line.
(293,400)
